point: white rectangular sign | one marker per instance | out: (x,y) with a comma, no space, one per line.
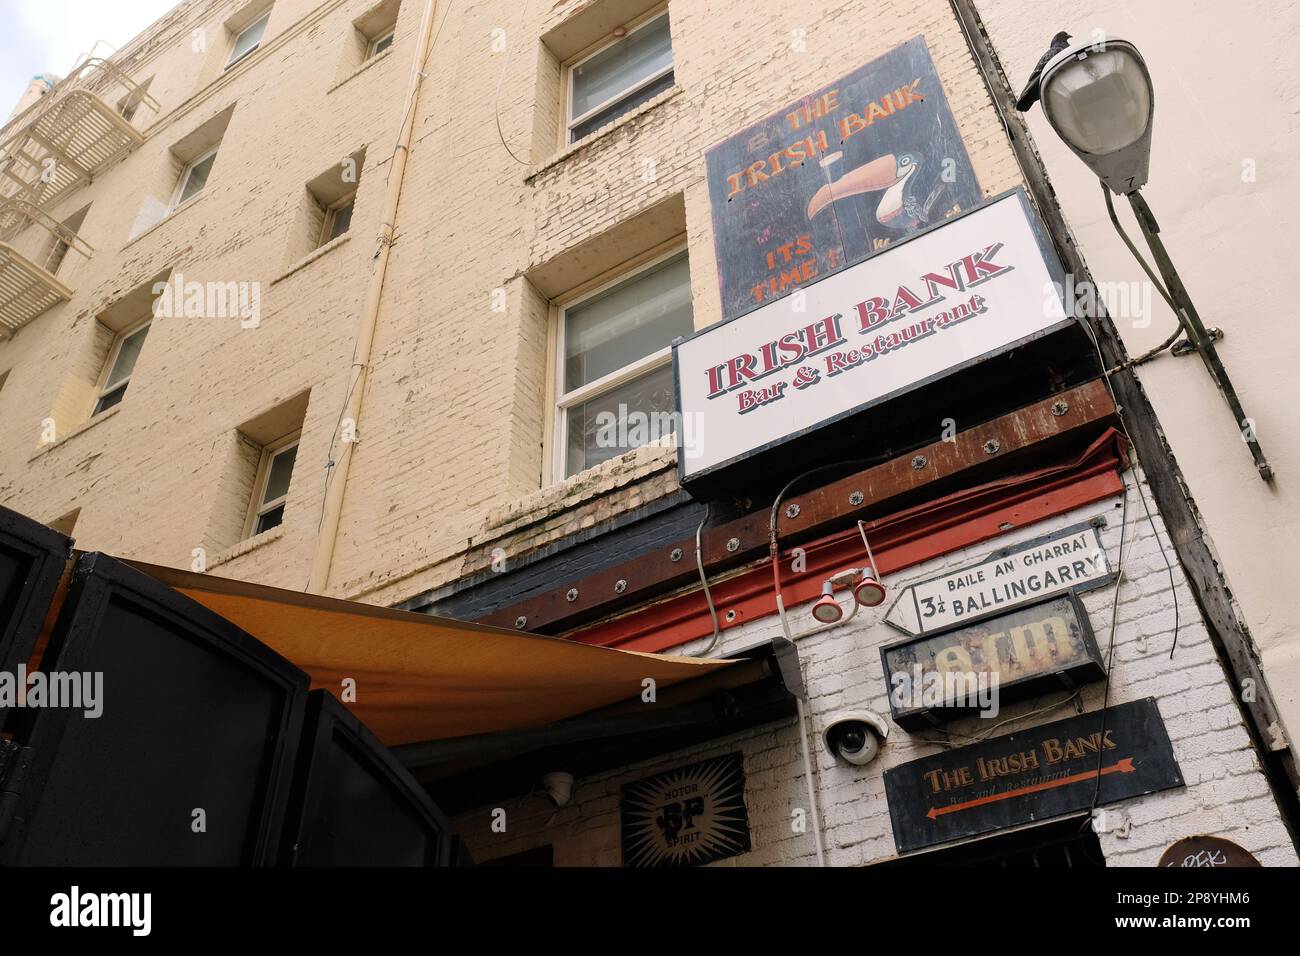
(1073,558)
(963,291)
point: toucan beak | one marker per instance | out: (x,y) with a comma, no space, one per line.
(880,173)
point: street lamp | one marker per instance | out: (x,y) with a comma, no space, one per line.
(1099,99)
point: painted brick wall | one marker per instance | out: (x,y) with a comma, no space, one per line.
(454,416)
(1226,793)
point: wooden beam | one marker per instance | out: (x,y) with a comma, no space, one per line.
(1079,412)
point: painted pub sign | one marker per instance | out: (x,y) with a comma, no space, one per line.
(1035,774)
(835,177)
(944,299)
(688,816)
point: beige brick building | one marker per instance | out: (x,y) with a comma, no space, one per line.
(257,151)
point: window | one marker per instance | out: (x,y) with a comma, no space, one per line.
(620,77)
(129,105)
(381,44)
(193,178)
(615,376)
(337,220)
(272,489)
(60,245)
(121,363)
(247,40)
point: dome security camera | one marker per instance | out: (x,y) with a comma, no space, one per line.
(856,736)
(559,787)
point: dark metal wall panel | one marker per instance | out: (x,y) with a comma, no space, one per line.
(32,559)
(189,759)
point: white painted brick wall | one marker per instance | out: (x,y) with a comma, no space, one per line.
(1226,793)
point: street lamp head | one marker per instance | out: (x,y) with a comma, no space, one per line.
(1098,98)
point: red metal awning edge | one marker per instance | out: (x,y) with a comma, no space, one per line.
(899,540)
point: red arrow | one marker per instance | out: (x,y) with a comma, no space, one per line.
(1122,766)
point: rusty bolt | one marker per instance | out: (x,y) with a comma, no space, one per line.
(675,555)
(792,510)
(1059,408)
(572,595)
(856,498)
(733,544)
(992,446)
(919,462)
(620,586)
(520,621)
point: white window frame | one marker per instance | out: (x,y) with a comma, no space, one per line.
(185,178)
(262,20)
(372,50)
(566,400)
(102,388)
(331,214)
(571,68)
(257,507)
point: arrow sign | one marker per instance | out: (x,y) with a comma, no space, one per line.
(1123,752)
(1122,766)
(1072,558)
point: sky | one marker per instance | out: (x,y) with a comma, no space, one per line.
(47,36)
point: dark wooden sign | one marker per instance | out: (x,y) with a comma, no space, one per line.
(835,177)
(688,816)
(997,661)
(1035,774)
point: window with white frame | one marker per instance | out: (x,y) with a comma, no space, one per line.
(380,44)
(272,488)
(117,371)
(338,219)
(193,178)
(619,77)
(614,380)
(248,39)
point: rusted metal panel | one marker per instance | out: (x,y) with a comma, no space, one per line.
(979,451)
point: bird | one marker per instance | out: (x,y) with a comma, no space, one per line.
(1031,93)
(899,208)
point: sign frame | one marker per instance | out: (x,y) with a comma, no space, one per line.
(724,835)
(1087,671)
(1052,263)
(1096,523)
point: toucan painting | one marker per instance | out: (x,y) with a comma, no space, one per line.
(901,205)
(839,175)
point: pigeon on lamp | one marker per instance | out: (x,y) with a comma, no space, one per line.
(1031,93)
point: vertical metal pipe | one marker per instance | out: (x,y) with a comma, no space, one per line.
(337,479)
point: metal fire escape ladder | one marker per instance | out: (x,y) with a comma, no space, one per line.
(28,288)
(66,138)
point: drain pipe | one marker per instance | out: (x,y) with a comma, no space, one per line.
(336,480)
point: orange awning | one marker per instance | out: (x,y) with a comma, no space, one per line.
(421,678)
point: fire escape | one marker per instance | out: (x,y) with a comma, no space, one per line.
(61,142)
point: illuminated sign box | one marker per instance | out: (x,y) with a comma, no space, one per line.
(959,293)
(1021,654)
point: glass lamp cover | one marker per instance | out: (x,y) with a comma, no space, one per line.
(1102,103)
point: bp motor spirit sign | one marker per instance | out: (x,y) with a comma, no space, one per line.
(688,816)
(835,177)
(1032,775)
(980,284)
